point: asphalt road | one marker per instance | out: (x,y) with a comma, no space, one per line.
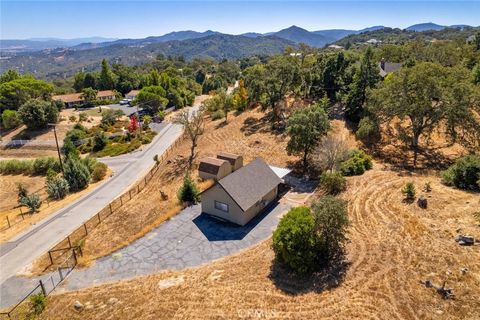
(22,250)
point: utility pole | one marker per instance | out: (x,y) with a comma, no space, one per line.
(58,148)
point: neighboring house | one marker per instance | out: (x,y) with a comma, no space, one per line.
(73,99)
(69,100)
(387,67)
(132,94)
(335,47)
(213,168)
(373,41)
(241,195)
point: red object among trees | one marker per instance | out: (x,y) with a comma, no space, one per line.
(133,124)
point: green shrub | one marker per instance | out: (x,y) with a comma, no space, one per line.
(333,182)
(161,115)
(188,193)
(82,117)
(70,150)
(38,302)
(51,174)
(464,173)
(331,223)
(294,240)
(110,116)
(409,191)
(15,166)
(32,202)
(72,118)
(42,165)
(76,134)
(368,130)
(357,163)
(10,119)
(99,171)
(76,174)
(79,126)
(218,114)
(37,114)
(146,139)
(99,141)
(21,191)
(57,188)
(90,163)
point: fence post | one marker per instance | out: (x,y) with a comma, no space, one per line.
(110,205)
(8,221)
(85,227)
(60,273)
(74,256)
(121,201)
(50,255)
(145,180)
(130,193)
(98,215)
(43,288)
(69,242)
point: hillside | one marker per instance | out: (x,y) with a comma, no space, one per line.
(390,35)
(51,64)
(299,35)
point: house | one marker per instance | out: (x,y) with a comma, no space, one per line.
(241,195)
(387,67)
(235,160)
(373,41)
(69,100)
(132,94)
(335,47)
(74,99)
(214,168)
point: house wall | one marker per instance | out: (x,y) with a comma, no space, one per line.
(224,170)
(235,214)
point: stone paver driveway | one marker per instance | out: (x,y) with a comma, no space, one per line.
(187,240)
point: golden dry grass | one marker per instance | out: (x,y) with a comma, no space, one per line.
(393,245)
(8,196)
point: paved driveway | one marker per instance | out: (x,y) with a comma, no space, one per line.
(187,240)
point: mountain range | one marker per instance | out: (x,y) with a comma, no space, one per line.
(295,34)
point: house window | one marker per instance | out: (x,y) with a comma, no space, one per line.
(221,206)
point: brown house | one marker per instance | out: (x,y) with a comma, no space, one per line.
(73,99)
(243,194)
(213,168)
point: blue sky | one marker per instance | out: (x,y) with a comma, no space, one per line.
(136,19)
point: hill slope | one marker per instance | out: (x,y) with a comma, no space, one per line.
(299,35)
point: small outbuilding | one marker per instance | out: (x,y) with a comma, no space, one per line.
(235,160)
(214,168)
(241,195)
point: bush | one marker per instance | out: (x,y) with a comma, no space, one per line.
(37,114)
(90,163)
(21,191)
(409,191)
(146,139)
(188,193)
(57,188)
(38,302)
(331,222)
(368,130)
(82,117)
(464,173)
(333,182)
(70,150)
(357,163)
(110,116)
(15,166)
(294,241)
(76,174)
(10,119)
(76,135)
(99,171)
(219,114)
(79,126)
(32,202)
(72,118)
(99,141)
(42,165)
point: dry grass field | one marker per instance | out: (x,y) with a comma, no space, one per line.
(393,246)
(247,134)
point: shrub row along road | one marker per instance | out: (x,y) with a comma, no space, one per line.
(27,246)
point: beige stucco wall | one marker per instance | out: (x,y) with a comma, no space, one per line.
(224,170)
(235,214)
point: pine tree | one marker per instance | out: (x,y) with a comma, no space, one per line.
(107,77)
(188,193)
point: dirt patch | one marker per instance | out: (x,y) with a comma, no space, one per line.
(392,247)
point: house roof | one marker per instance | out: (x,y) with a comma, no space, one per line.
(389,67)
(211,165)
(250,183)
(133,93)
(72,97)
(230,157)
(77,97)
(280,172)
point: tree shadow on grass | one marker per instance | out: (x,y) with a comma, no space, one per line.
(253,125)
(329,277)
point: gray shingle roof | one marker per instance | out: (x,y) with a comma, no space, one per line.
(210,165)
(250,183)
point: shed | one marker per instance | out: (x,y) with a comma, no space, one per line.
(243,194)
(235,160)
(213,168)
